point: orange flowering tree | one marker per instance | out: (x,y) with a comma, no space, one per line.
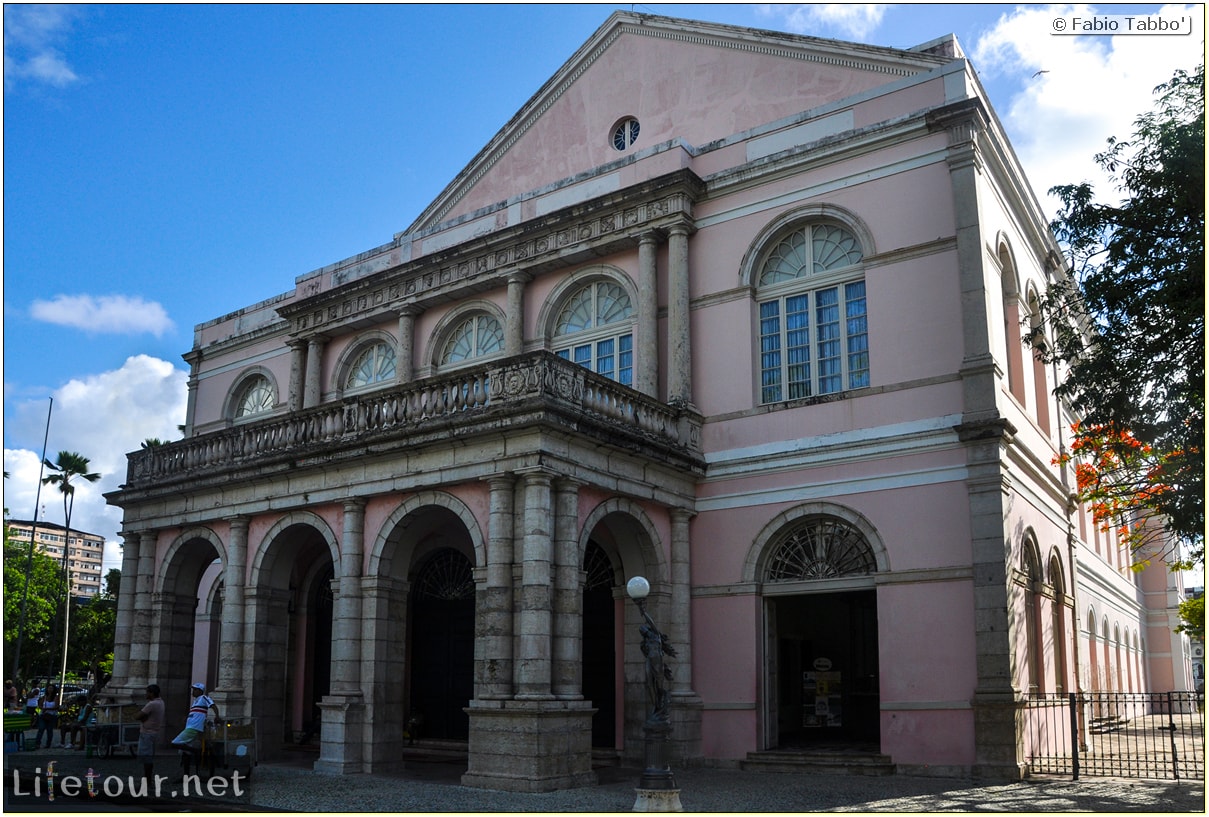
(1125,483)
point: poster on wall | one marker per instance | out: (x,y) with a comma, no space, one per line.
(821,696)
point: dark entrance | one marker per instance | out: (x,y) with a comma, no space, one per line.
(599,681)
(442,653)
(827,679)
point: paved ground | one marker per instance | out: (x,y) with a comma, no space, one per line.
(435,786)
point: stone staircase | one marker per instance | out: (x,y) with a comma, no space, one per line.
(819,761)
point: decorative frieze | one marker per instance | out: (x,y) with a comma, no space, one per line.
(595,226)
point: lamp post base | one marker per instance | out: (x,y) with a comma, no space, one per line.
(657,800)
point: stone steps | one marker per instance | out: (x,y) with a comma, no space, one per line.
(818,761)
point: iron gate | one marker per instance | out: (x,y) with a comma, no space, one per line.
(1117,734)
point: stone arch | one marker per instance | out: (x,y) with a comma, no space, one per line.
(266,556)
(381,557)
(754,257)
(644,548)
(173,568)
(759,552)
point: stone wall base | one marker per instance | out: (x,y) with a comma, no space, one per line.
(530,746)
(343,734)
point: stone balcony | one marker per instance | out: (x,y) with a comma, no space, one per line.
(534,389)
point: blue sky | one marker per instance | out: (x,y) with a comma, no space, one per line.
(168,164)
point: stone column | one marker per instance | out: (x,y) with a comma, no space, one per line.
(313,391)
(404,371)
(343,710)
(646,351)
(493,644)
(680,358)
(230,649)
(514,330)
(567,678)
(346,612)
(297,369)
(124,627)
(142,624)
(533,661)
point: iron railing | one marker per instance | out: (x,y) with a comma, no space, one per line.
(1117,734)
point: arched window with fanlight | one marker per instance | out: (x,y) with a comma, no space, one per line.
(372,365)
(813,319)
(595,328)
(820,547)
(254,396)
(474,337)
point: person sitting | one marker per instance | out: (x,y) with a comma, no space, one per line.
(73,732)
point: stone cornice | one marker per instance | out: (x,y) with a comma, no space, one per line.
(593,228)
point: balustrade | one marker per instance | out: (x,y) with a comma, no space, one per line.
(399,409)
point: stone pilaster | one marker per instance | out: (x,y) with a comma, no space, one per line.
(687,706)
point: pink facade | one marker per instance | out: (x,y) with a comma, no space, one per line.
(792,272)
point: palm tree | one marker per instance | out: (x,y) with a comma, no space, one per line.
(68,469)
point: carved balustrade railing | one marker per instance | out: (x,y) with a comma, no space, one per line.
(459,397)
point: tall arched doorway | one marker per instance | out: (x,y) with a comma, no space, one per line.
(442,644)
(821,635)
(599,645)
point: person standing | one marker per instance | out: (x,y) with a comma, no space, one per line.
(151,719)
(189,740)
(12,699)
(31,702)
(49,717)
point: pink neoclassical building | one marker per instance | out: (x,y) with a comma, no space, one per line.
(733,310)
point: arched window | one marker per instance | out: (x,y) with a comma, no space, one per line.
(476,336)
(256,396)
(1032,617)
(1011,324)
(814,336)
(1040,380)
(373,365)
(820,547)
(595,328)
(1059,623)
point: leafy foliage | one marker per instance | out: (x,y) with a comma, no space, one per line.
(45,590)
(1192,618)
(1130,324)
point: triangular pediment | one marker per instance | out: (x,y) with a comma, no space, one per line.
(681,80)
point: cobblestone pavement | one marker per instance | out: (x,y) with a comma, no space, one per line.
(435,786)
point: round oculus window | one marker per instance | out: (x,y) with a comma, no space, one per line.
(625,133)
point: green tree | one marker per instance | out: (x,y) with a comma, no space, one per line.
(1192,618)
(90,648)
(1130,323)
(66,471)
(45,589)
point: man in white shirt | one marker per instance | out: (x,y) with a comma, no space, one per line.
(189,740)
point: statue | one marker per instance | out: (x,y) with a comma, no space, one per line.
(655,646)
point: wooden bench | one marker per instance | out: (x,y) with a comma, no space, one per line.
(16,724)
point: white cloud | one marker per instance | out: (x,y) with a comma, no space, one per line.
(849,20)
(109,314)
(31,32)
(102,417)
(1093,87)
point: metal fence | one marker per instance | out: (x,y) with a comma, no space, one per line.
(1116,734)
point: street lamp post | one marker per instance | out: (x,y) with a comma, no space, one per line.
(657,789)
